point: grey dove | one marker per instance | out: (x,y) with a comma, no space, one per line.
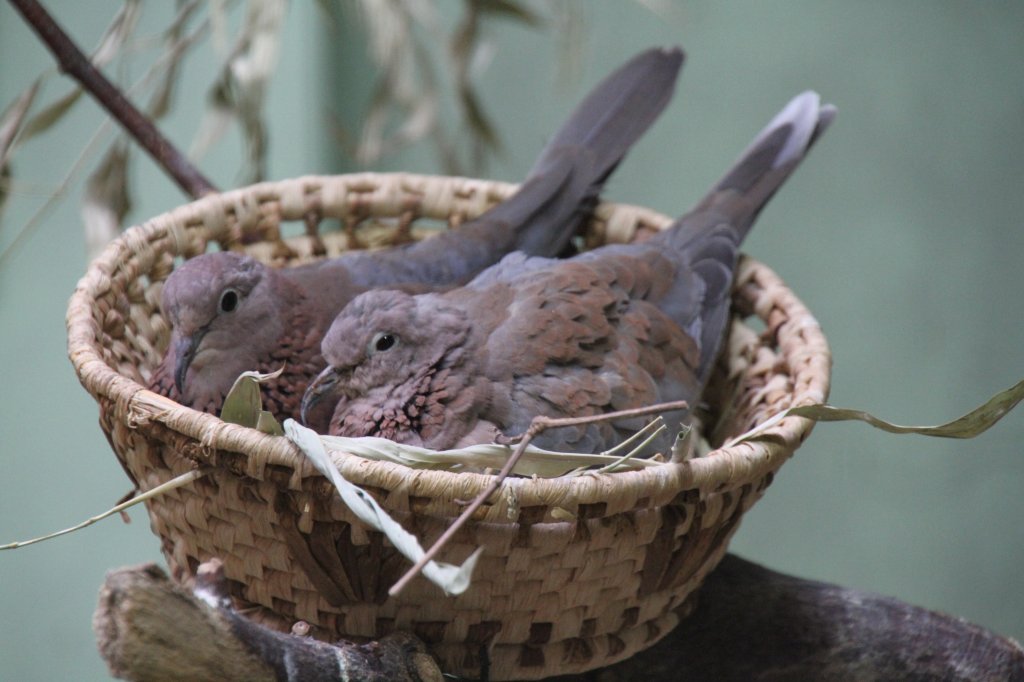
(230,313)
(618,327)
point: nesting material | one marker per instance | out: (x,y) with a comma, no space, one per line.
(577,572)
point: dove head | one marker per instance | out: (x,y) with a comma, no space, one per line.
(227,312)
(384,346)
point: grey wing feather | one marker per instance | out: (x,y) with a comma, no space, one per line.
(687,271)
(559,192)
(706,241)
(635,323)
(590,144)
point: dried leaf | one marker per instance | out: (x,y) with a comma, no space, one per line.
(974,423)
(106,200)
(685,446)
(409,89)
(407,85)
(13,117)
(423,116)
(244,404)
(534,462)
(110,44)
(45,119)
(177,46)
(330,10)
(216,119)
(239,91)
(389,31)
(479,123)
(560,514)
(507,9)
(5,180)
(266,423)
(463,38)
(452,579)
(116,34)
(660,8)
(467,58)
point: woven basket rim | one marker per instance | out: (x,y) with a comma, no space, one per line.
(137,405)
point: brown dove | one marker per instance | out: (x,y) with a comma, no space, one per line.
(618,327)
(230,313)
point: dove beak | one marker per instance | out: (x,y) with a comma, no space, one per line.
(320,387)
(185,348)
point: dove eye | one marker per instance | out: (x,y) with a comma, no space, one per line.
(228,300)
(383,341)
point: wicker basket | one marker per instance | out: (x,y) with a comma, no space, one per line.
(550,595)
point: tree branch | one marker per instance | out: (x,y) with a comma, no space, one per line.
(73,62)
(755,625)
(750,624)
(149,628)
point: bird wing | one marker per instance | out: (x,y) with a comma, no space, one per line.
(559,192)
(704,244)
(580,337)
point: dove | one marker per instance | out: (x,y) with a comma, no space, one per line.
(618,327)
(230,313)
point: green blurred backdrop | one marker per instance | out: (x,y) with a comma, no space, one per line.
(902,233)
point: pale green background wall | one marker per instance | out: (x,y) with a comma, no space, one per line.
(902,233)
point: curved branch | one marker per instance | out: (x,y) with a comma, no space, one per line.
(149,628)
(756,625)
(750,623)
(74,62)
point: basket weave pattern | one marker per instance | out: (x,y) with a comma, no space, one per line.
(577,573)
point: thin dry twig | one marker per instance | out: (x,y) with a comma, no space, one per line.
(172,484)
(74,62)
(537,426)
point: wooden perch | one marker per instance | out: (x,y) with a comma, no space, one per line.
(750,624)
(756,625)
(149,628)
